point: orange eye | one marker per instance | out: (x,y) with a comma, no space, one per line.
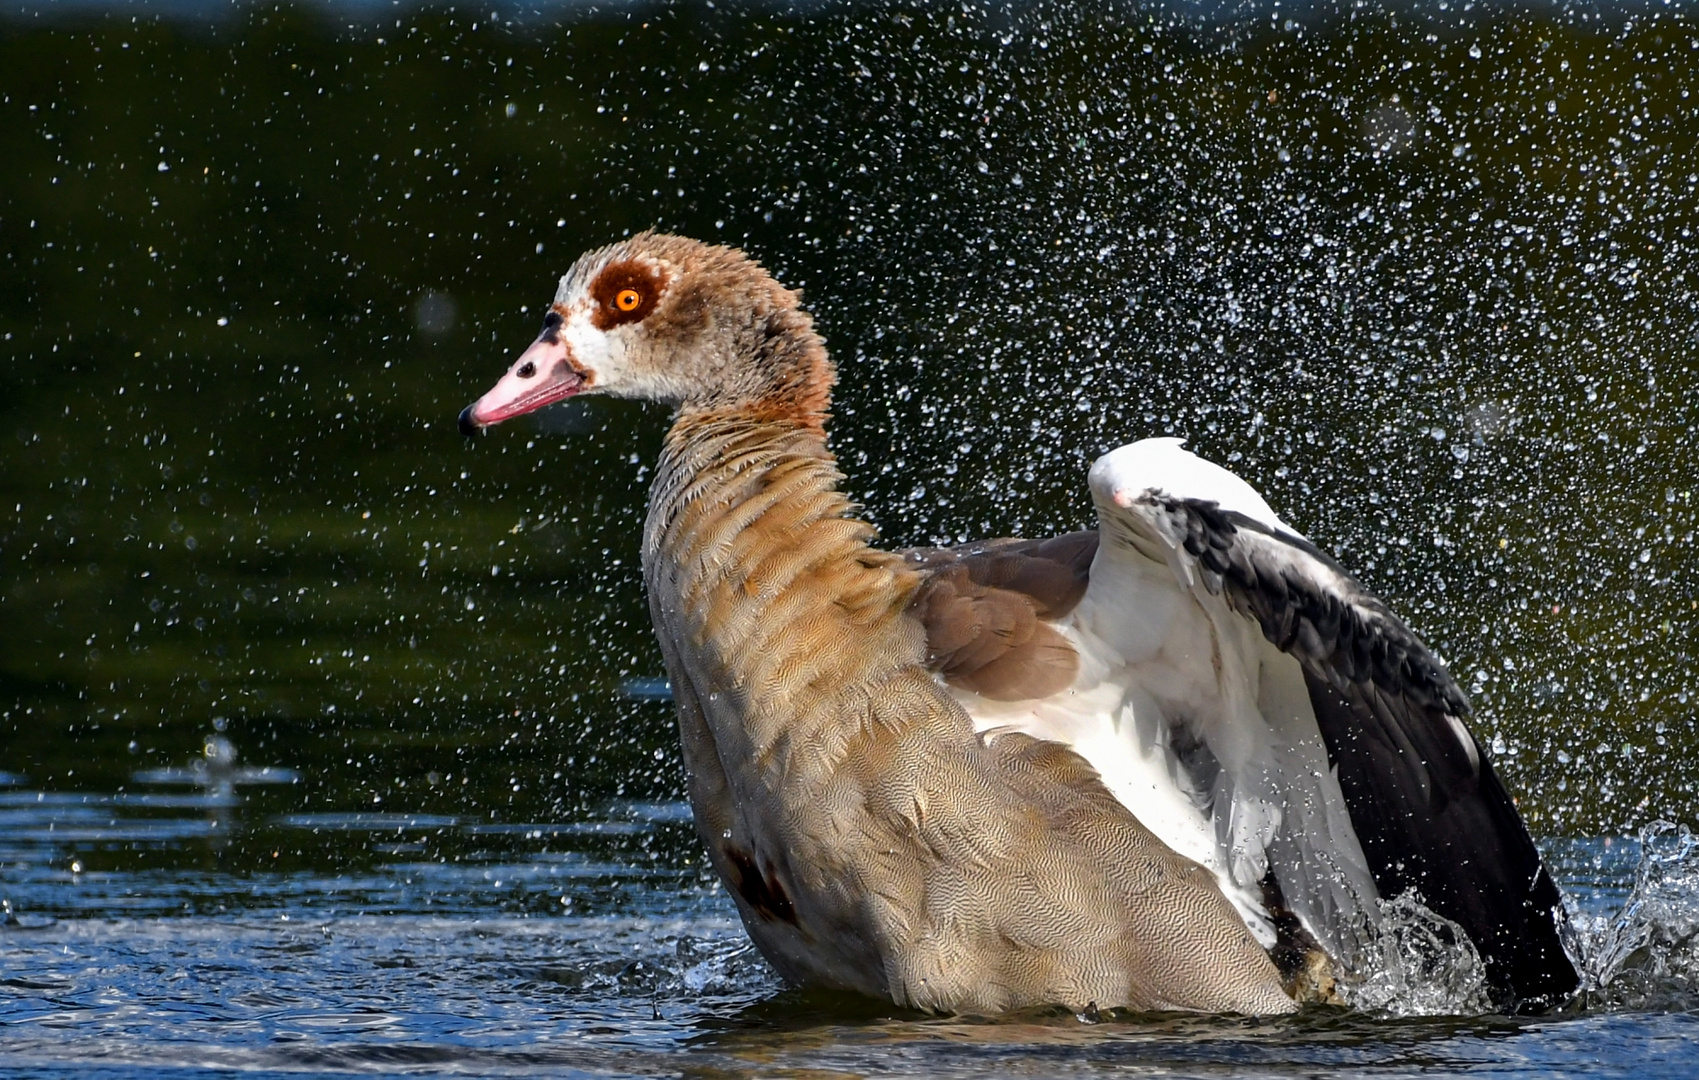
(628,299)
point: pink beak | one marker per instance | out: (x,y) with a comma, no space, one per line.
(543,375)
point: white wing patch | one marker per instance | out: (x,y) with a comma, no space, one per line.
(1195,721)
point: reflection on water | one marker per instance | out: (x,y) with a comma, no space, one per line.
(217,773)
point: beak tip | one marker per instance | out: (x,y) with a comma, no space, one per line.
(468,426)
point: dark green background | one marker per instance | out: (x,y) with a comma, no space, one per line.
(1425,279)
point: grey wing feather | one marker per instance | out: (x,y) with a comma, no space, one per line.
(1308,606)
(1428,808)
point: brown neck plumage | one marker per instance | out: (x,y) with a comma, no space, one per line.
(762,583)
(790,377)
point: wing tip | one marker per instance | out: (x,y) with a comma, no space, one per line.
(1128,473)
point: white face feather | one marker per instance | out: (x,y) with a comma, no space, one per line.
(600,354)
(612,359)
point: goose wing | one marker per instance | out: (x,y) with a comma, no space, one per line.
(1255,707)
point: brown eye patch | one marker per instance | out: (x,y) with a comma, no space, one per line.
(624,292)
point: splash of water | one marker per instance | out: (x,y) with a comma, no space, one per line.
(1646,955)
(693,967)
(1417,963)
(1640,954)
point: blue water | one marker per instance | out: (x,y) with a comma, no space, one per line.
(410,944)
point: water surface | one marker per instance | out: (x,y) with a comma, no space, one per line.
(601,948)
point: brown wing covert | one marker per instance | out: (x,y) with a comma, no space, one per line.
(987,610)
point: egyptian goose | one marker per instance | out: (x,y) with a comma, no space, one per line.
(1172,763)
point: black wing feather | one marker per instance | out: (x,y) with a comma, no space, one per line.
(1427,806)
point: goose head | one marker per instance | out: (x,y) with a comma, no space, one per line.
(666,319)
